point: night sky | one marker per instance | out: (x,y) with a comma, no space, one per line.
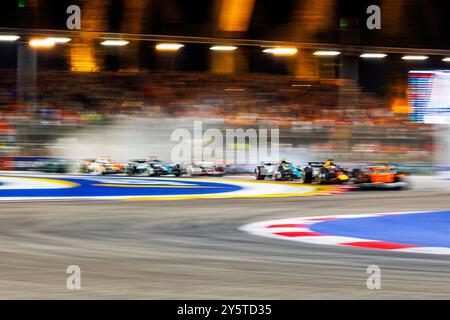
(422,24)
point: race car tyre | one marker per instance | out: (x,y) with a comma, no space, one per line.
(308,176)
(177,170)
(277,176)
(258,175)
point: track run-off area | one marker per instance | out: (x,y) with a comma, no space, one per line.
(85,187)
(199,246)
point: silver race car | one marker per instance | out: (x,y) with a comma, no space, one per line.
(205,168)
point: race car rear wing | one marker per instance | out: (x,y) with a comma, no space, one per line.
(137,160)
(316,164)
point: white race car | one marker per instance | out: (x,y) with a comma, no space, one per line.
(265,169)
(205,168)
(278,171)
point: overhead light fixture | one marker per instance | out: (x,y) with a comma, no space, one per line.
(223,48)
(373,55)
(327,53)
(115,43)
(168,46)
(414,57)
(446,59)
(41,43)
(59,39)
(4,37)
(281,51)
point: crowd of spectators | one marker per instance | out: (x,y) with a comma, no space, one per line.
(335,109)
(74,97)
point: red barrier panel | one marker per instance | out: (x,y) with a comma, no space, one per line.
(6,163)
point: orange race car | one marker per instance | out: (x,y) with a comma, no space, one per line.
(104,165)
(383,177)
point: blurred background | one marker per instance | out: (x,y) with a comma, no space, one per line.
(138,69)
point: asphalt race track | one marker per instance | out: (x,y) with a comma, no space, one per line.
(193,249)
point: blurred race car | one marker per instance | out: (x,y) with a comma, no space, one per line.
(104,165)
(205,168)
(166,168)
(84,164)
(234,168)
(142,167)
(54,166)
(278,171)
(326,172)
(379,177)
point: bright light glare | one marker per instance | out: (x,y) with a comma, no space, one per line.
(414,57)
(41,43)
(168,46)
(223,48)
(281,51)
(327,53)
(373,55)
(115,43)
(8,38)
(59,39)
(446,59)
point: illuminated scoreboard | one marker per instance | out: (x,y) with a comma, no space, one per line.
(429,96)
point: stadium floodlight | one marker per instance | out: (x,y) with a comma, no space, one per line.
(414,57)
(373,55)
(116,42)
(41,43)
(4,37)
(327,53)
(223,48)
(446,59)
(168,46)
(59,39)
(281,51)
